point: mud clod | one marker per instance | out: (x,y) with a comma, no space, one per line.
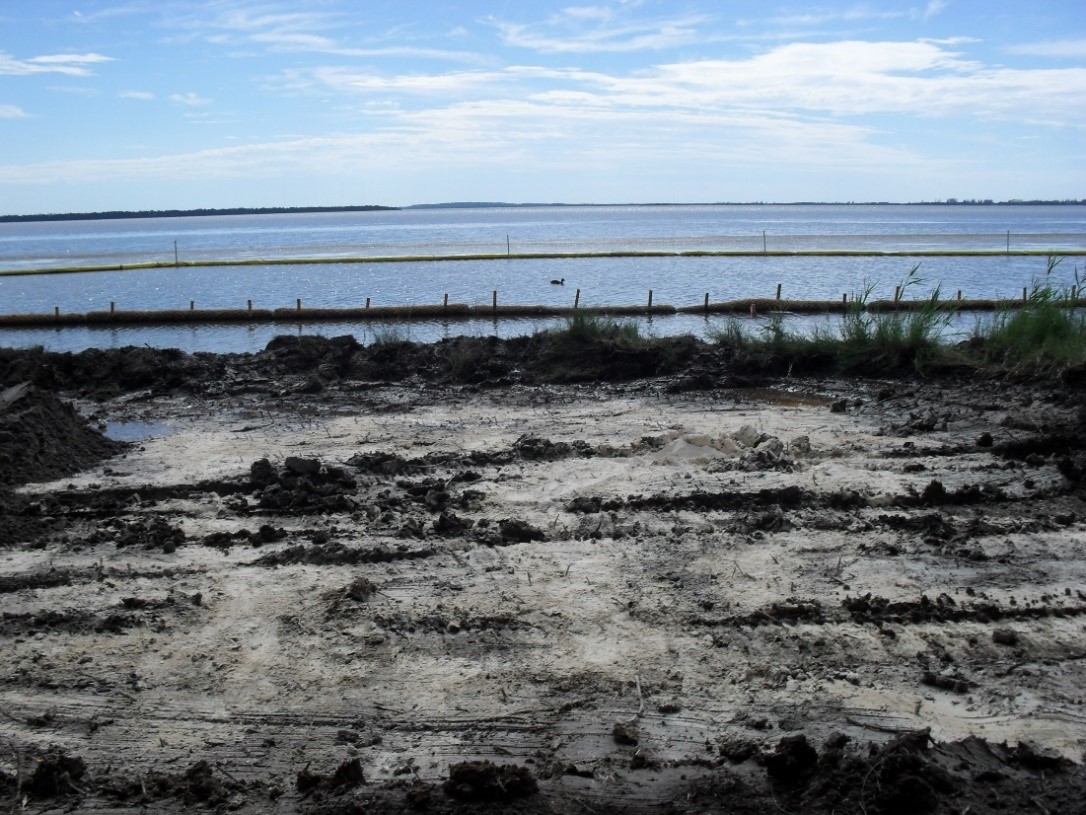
(55,775)
(792,762)
(483,781)
(625,733)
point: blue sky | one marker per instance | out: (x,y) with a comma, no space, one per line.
(152,105)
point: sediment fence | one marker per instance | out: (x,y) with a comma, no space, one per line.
(495,310)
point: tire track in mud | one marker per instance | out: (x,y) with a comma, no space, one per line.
(482,602)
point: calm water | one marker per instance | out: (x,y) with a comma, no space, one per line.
(451,232)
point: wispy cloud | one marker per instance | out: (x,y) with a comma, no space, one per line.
(310,32)
(191,99)
(343,79)
(934,8)
(85,17)
(1071,49)
(68,64)
(13,112)
(597,29)
(143,96)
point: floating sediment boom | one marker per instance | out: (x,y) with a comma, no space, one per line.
(462,311)
(619,253)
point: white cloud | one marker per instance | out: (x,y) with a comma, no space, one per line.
(13,112)
(68,64)
(347,80)
(934,8)
(143,96)
(847,78)
(1073,49)
(568,33)
(191,99)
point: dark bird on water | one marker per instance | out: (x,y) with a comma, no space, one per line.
(561,282)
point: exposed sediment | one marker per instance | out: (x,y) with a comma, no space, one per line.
(336,579)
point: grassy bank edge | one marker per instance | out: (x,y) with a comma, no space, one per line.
(1042,337)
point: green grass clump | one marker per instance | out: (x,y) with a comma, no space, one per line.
(887,341)
(595,347)
(584,326)
(894,341)
(1046,333)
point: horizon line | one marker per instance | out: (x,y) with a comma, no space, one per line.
(280,210)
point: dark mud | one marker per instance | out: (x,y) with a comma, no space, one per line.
(909,775)
(43,438)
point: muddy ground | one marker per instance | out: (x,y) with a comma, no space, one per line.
(327,579)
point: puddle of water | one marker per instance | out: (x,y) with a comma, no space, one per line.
(137,431)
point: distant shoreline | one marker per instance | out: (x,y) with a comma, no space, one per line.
(198,213)
(114,215)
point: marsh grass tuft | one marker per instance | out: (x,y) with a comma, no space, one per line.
(585,326)
(386,335)
(592,346)
(892,339)
(1047,332)
(895,339)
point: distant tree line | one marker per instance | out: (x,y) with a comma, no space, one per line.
(182,213)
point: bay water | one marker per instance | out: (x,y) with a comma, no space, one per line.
(443,234)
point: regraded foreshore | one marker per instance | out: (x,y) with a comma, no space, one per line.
(464,578)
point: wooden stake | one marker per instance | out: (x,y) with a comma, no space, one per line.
(367,303)
(298,304)
(1008,241)
(778,291)
(707,301)
(959,294)
(446,303)
(192,305)
(508,251)
(56,312)
(176,262)
(250,306)
(494,298)
(763,242)
(112,307)
(844,298)
(1025,297)
(897,293)
(650,299)
(577,298)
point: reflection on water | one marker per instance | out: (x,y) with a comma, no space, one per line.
(234,338)
(137,431)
